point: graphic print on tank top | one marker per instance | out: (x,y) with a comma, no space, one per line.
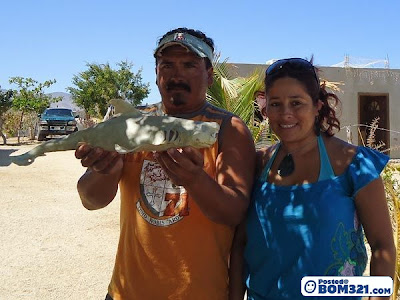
(166,202)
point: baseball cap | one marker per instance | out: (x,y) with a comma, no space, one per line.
(190,42)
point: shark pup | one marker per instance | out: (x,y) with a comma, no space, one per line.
(131,131)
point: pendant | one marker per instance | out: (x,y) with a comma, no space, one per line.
(286,167)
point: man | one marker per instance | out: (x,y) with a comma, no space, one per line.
(179,207)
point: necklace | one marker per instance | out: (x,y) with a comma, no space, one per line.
(287,166)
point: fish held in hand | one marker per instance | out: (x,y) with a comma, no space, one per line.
(132,132)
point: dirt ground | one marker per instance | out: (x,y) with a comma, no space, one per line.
(51,246)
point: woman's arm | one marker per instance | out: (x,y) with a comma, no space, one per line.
(374,216)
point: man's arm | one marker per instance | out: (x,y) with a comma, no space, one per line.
(99,185)
(224,200)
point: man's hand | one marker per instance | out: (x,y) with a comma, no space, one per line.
(99,160)
(223,197)
(99,185)
(181,165)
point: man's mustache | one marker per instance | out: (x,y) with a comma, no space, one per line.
(177,85)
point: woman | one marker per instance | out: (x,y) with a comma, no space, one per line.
(313,196)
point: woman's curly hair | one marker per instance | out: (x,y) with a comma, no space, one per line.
(327,121)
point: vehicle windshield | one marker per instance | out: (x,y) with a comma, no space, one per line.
(59,112)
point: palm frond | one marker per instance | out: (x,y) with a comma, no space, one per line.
(332,85)
(221,69)
(224,88)
(245,103)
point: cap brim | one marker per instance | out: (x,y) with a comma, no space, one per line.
(192,43)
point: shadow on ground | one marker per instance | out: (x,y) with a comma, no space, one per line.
(5,159)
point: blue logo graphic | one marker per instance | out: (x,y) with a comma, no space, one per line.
(310,286)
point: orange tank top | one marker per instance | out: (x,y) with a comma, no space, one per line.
(167,248)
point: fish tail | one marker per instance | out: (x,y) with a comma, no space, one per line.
(69,142)
(23,159)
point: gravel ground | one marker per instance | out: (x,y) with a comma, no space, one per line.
(51,246)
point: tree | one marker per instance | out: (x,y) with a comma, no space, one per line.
(99,84)
(5,104)
(30,97)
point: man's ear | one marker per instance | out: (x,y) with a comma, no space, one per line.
(156,76)
(210,76)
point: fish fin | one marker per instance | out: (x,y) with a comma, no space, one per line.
(123,107)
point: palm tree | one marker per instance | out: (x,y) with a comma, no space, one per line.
(237,95)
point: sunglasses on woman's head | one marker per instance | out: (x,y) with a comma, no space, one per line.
(298,64)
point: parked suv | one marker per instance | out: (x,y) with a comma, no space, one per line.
(56,121)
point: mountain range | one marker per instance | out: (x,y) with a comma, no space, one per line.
(66,101)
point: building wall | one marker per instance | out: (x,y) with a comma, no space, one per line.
(356,82)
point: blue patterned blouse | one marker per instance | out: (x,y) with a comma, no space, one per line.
(307,230)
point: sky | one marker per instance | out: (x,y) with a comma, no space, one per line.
(56,39)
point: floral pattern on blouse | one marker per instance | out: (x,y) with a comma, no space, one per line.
(348,252)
